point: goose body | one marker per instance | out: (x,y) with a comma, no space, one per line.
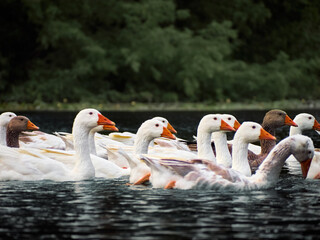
(39,139)
(102,167)
(148,130)
(273,119)
(116,152)
(247,132)
(35,139)
(37,164)
(204,174)
(208,124)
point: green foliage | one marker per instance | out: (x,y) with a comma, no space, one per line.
(158,51)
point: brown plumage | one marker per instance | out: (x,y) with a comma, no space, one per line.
(15,127)
(272,120)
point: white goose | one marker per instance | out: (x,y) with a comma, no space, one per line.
(305,122)
(34,139)
(194,175)
(4,121)
(207,125)
(148,131)
(247,132)
(34,164)
(220,141)
(102,145)
(128,138)
(114,150)
(100,141)
(64,141)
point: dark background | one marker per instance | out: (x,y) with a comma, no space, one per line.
(159,51)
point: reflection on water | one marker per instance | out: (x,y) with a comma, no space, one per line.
(109,209)
(101,209)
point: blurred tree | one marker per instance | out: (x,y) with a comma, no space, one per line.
(150,50)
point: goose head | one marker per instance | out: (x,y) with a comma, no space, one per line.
(251,132)
(154,128)
(306,121)
(277,118)
(91,118)
(166,123)
(5,118)
(231,120)
(303,150)
(21,123)
(213,123)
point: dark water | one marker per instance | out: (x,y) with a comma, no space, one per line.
(109,209)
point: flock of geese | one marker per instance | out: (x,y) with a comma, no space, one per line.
(154,154)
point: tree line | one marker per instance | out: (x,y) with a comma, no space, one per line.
(159,51)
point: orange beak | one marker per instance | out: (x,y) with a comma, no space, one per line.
(316,125)
(166,133)
(265,135)
(236,125)
(31,126)
(290,122)
(225,126)
(110,128)
(171,129)
(102,120)
(305,165)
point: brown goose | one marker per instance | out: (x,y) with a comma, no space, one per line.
(15,127)
(272,120)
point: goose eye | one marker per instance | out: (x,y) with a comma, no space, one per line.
(310,118)
(157,125)
(214,118)
(21,119)
(229,118)
(253,127)
(90,113)
(10,115)
(163,121)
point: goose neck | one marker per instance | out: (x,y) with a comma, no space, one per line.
(81,146)
(92,145)
(295,131)
(270,168)
(240,156)
(141,143)
(12,138)
(223,155)
(204,145)
(268,145)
